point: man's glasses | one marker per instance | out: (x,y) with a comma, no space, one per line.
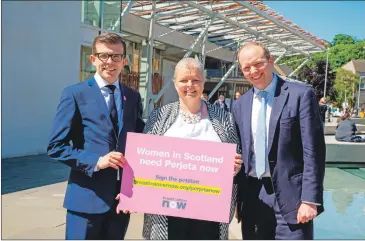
(104,57)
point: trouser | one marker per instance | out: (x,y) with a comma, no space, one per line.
(109,225)
(262,218)
(188,229)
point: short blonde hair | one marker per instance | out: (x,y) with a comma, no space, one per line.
(258,44)
(189,63)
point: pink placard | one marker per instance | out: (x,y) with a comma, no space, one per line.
(178,177)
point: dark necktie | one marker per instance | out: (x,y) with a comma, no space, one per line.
(113,107)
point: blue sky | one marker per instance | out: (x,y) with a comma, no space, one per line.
(324,19)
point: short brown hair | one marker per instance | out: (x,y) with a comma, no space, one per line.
(109,38)
(249,44)
(345,116)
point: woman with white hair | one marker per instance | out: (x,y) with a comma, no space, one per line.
(191,118)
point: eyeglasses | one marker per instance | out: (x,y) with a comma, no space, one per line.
(104,57)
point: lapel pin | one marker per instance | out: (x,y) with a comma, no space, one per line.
(125,99)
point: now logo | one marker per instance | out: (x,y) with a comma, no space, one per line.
(173,204)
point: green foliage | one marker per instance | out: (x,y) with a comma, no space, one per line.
(339,54)
(292,61)
(342,54)
(343,39)
(316,77)
(342,50)
(346,82)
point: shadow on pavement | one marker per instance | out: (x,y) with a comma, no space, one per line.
(27,172)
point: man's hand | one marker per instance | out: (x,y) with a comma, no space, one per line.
(118,211)
(237,163)
(306,212)
(112,159)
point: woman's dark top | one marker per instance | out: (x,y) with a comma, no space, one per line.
(346,128)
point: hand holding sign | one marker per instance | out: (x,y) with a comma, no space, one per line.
(178,177)
(237,164)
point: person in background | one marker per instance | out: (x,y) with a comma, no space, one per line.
(322,110)
(220,103)
(205,97)
(362,113)
(329,112)
(237,95)
(191,118)
(346,130)
(89,135)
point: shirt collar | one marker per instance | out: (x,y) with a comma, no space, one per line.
(270,88)
(102,83)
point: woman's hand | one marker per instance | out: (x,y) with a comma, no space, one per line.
(237,163)
(118,211)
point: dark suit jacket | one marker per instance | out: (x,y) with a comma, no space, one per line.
(296,146)
(83,119)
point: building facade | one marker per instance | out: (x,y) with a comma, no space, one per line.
(46,47)
(358,67)
(47,44)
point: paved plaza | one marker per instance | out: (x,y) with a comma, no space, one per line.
(33,189)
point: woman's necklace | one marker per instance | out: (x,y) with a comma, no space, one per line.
(191,118)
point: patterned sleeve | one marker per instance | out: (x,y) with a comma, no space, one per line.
(152,118)
(234,133)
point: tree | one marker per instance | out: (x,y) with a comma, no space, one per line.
(346,83)
(340,54)
(343,39)
(316,77)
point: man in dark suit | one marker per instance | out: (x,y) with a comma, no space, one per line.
(283,151)
(89,135)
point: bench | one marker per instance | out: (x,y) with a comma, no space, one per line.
(344,152)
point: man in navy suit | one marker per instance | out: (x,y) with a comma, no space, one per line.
(89,135)
(283,151)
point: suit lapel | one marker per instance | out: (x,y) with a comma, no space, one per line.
(97,95)
(247,116)
(281,95)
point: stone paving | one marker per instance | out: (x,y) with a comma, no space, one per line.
(33,189)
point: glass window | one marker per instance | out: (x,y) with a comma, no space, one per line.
(156,61)
(91,13)
(362,83)
(87,69)
(136,62)
(112,11)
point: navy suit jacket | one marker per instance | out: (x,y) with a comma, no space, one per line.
(296,147)
(83,132)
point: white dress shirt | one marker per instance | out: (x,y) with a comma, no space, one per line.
(256,105)
(203,130)
(105,92)
(117,98)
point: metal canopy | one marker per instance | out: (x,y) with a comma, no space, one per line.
(234,21)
